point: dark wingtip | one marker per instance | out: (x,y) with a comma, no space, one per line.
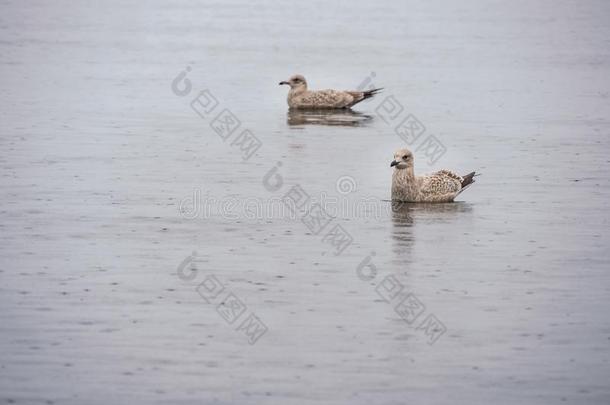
(370,93)
(373,91)
(469,179)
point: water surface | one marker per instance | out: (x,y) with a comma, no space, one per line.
(107,173)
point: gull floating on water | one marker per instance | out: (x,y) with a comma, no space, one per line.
(442,186)
(300,97)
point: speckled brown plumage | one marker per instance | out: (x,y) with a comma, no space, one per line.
(441,186)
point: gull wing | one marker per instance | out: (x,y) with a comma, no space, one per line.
(326,99)
(441,183)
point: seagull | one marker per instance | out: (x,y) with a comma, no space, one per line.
(442,186)
(300,97)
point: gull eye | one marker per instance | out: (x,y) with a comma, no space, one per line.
(405,157)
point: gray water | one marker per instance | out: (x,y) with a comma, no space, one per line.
(110,180)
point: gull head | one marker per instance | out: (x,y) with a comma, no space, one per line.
(403,158)
(296,82)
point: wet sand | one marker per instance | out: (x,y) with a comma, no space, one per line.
(102,159)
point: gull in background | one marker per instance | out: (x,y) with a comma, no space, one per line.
(300,97)
(442,186)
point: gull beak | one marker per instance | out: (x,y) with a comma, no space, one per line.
(394,163)
(283,83)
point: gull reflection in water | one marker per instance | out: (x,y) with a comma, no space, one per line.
(344,117)
(406,215)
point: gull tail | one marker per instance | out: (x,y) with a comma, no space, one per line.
(468,180)
(370,93)
(363,95)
